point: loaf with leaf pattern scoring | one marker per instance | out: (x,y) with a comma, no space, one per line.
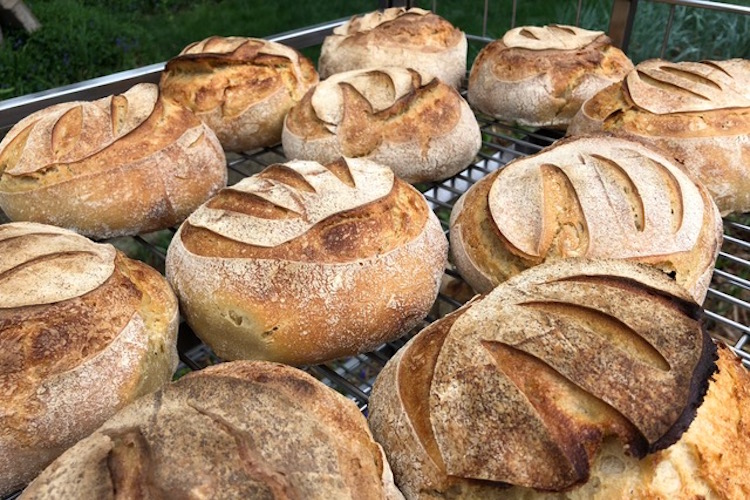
(593,197)
(304,263)
(121,165)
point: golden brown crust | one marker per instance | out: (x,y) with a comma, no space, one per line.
(121,165)
(241,87)
(412,38)
(67,365)
(544,87)
(594,197)
(423,131)
(364,232)
(306,263)
(708,129)
(547,366)
(273,431)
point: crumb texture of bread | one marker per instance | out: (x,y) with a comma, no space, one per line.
(87,332)
(540,76)
(423,130)
(527,385)
(121,165)
(242,88)
(270,431)
(593,197)
(304,262)
(697,112)
(409,38)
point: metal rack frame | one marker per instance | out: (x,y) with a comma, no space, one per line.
(728,298)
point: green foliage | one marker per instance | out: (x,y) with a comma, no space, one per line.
(89,38)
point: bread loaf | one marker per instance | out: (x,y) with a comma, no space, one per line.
(304,263)
(121,165)
(409,38)
(424,131)
(594,197)
(523,386)
(697,112)
(240,87)
(540,76)
(235,430)
(83,331)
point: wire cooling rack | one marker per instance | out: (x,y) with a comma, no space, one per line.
(727,304)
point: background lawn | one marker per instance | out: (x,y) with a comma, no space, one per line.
(89,38)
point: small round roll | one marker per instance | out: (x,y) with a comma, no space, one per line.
(234,430)
(409,38)
(304,263)
(84,331)
(121,165)
(540,76)
(698,112)
(240,87)
(423,130)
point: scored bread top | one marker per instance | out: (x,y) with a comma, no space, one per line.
(522,386)
(589,196)
(42,264)
(553,36)
(414,28)
(233,73)
(624,200)
(84,138)
(303,211)
(662,87)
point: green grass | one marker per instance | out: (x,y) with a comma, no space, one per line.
(85,39)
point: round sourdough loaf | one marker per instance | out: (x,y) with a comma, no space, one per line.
(240,87)
(594,197)
(304,263)
(83,331)
(409,38)
(697,112)
(234,430)
(424,131)
(523,386)
(540,76)
(121,165)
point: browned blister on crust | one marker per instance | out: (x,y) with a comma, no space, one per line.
(408,38)
(120,165)
(540,76)
(423,130)
(303,262)
(592,197)
(523,386)
(240,87)
(274,431)
(84,332)
(697,112)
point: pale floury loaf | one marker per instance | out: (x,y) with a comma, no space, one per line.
(698,112)
(527,385)
(422,129)
(540,76)
(594,197)
(83,331)
(235,430)
(409,38)
(304,263)
(240,87)
(121,165)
